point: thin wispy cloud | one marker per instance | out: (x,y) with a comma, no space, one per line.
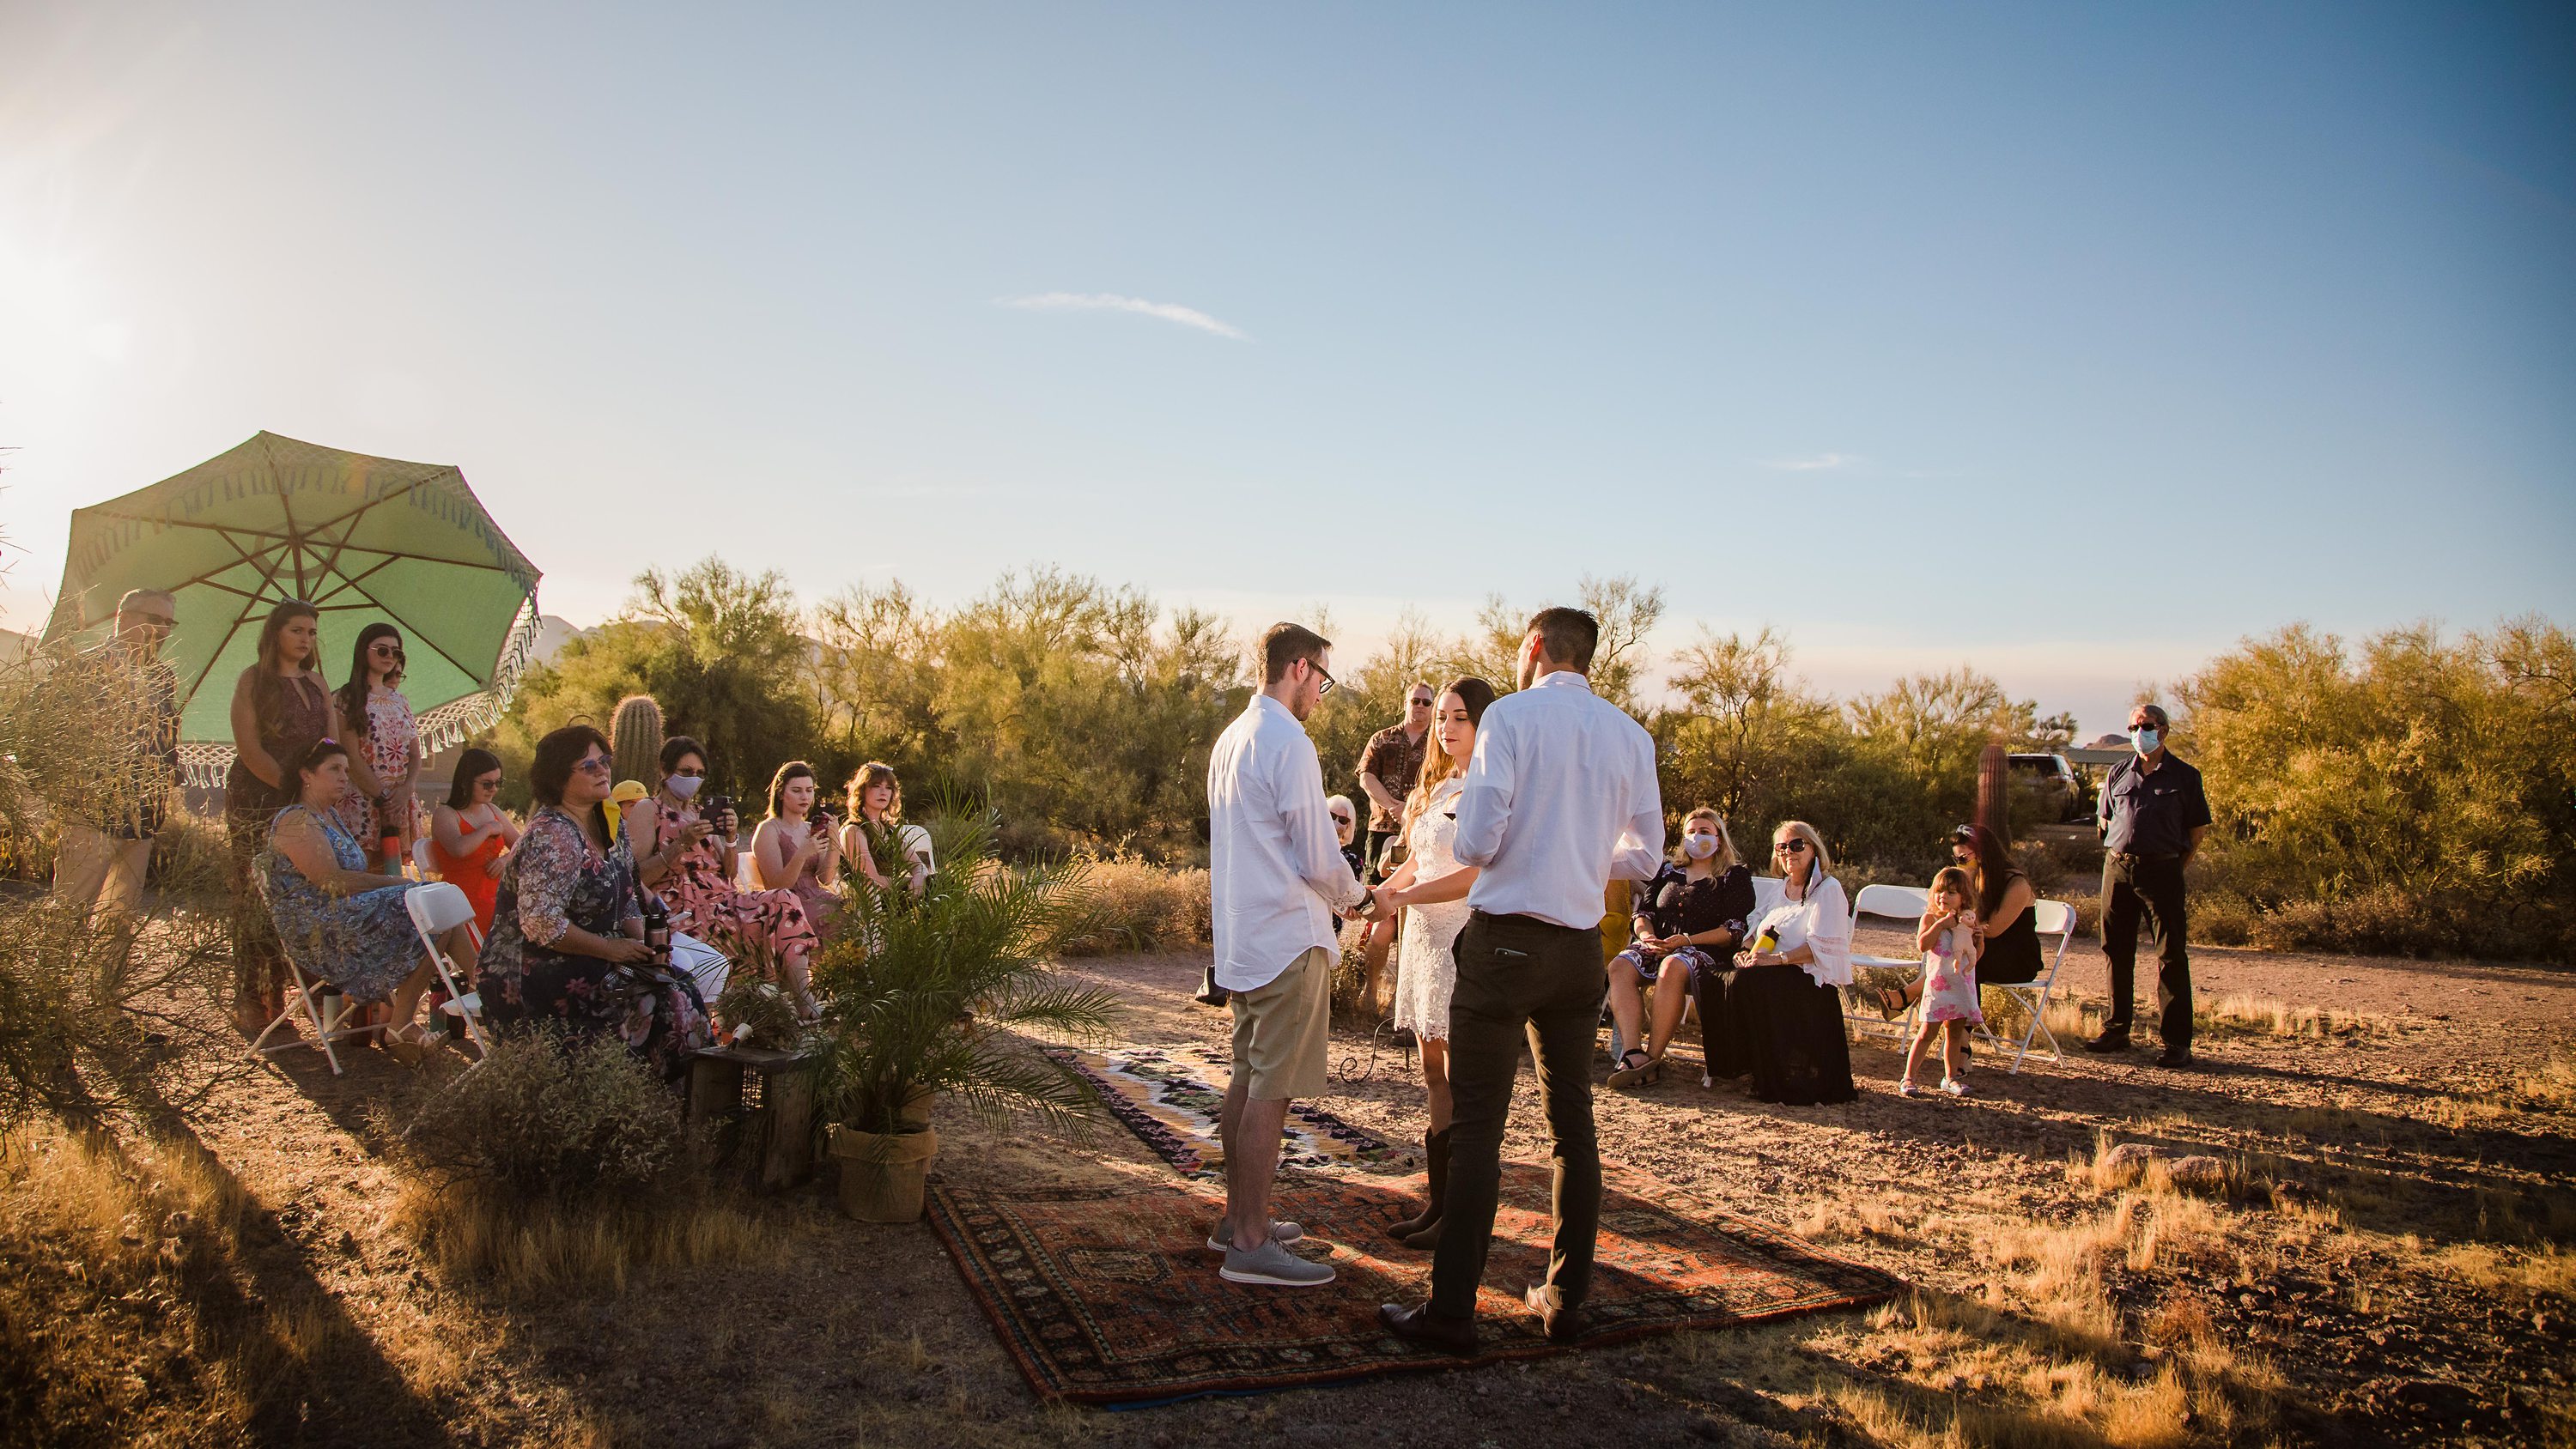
(1112,302)
(1814,463)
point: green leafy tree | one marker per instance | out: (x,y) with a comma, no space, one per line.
(719,649)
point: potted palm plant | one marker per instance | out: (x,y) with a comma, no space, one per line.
(941,993)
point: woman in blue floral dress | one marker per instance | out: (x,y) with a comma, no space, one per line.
(567,944)
(338,921)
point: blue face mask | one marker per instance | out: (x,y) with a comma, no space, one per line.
(2144,740)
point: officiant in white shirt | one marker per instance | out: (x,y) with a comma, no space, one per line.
(1560,798)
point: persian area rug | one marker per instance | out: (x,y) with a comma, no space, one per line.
(1112,1297)
(1170,1097)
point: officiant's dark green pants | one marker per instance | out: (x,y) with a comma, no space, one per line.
(1520,979)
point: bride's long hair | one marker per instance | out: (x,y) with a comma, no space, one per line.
(1437,764)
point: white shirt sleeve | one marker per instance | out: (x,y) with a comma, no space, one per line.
(1486,803)
(1829,934)
(1313,847)
(1641,844)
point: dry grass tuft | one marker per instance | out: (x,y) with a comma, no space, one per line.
(2246,1014)
(102,1339)
(1141,907)
(523,1249)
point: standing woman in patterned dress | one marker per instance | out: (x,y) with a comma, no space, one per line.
(384,749)
(280,709)
(1431,888)
(692,865)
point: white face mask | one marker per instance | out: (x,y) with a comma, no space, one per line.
(683,786)
(1700,847)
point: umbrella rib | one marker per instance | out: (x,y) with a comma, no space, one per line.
(268,575)
(479,681)
(294,537)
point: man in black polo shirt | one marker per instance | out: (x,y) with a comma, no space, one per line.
(2152,815)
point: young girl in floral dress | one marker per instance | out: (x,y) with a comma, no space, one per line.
(1948,940)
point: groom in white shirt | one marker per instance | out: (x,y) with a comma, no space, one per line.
(1276,879)
(1560,796)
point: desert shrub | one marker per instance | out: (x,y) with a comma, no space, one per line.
(1138,906)
(546,1119)
(192,859)
(2409,794)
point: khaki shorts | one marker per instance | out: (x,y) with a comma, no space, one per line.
(1282,1031)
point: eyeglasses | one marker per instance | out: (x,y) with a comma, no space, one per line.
(595,764)
(1789,847)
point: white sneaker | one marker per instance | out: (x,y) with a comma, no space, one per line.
(1274,1266)
(1223,1238)
(1954,1086)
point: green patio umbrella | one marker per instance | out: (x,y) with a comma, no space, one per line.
(359,538)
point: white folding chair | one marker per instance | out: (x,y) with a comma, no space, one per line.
(437,909)
(305,1000)
(1895,903)
(426,862)
(2051,918)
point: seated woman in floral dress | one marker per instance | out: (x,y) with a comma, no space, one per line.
(692,864)
(567,944)
(337,920)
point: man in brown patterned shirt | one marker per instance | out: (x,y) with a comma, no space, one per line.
(1389,767)
(110,786)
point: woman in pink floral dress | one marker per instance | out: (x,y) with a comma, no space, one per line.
(384,750)
(692,866)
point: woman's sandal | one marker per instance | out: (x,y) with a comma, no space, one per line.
(1647,1071)
(1891,1002)
(405,1044)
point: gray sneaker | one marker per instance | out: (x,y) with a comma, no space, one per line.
(1273,1265)
(1223,1237)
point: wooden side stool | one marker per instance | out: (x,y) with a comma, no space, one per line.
(767,1098)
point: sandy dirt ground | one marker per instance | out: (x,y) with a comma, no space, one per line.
(857,1334)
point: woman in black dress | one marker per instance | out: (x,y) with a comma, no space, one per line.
(1689,920)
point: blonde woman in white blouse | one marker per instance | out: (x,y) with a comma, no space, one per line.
(1787,998)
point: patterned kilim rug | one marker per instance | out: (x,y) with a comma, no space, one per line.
(1168,1097)
(1112,1297)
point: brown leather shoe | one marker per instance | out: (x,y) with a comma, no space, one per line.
(1418,1325)
(1558,1322)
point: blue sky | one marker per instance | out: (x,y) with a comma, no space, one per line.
(2073,343)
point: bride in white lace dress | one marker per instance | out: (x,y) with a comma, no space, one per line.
(1431,890)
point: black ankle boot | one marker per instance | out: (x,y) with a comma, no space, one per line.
(1435,1155)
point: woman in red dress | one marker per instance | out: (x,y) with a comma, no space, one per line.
(469,834)
(692,864)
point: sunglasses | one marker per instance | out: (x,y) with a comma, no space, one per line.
(1341,819)
(1790,847)
(1419,703)
(386,646)
(1321,674)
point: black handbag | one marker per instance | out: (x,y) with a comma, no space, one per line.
(1209,992)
